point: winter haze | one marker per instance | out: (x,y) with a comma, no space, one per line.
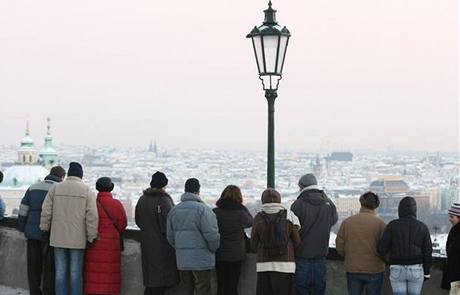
(359,74)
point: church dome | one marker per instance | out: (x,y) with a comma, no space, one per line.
(23,175)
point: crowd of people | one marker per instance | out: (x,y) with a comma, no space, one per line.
(75,240)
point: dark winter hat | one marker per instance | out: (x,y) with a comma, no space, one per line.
(57,171)
(407,207)
(75,169)
(307,180)
(159,180)
(369,200)
(104,184)
(455,209)
(192,185)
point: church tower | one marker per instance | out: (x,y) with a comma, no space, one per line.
(48,155)
(27,155)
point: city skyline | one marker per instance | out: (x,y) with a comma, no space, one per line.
(358,75)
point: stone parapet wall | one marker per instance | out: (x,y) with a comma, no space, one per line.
(13,267)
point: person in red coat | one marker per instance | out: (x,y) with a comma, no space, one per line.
(103,258)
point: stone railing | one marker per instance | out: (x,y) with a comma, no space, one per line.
(13,267)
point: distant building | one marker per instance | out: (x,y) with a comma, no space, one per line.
(390,190)
(48,155)
(340,156)
(347,205)
(26,171)
(389,185)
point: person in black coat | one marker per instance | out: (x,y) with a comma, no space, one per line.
(408,243)
(232,218)
(452,268)
(158,257)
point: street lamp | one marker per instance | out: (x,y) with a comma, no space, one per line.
(270,42)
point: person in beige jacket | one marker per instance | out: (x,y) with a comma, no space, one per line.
(69,213)
(357,241)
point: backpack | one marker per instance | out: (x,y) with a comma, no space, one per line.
(275,237)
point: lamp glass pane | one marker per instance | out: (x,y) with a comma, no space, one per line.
(257,41)
(283,47)
(270,47)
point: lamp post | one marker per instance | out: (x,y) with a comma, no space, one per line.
(270,42)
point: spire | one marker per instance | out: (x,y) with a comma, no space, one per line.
(27,128)
(48,138)
(48,126)
(270,15)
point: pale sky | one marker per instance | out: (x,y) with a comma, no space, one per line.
(359,74)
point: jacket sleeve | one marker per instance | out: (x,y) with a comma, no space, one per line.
(246,218)
(47,210)
(295,236)
(24,211)
(165,205)
(2,208)
(334,217)
(92,217)
(340,239)
(296,208)
(427,250)
(122,220)
(170,236)
(137,217)
(209,229)
(255,239)
(384,245)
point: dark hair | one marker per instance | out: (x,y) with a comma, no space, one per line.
(192,185)
(369,200)
(58,171)
(271,195)
(232,193)
(1,176)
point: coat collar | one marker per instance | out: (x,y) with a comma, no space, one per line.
(191,197)
(74,178)
(104,195)
(368,211)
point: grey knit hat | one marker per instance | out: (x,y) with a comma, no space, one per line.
(307,180)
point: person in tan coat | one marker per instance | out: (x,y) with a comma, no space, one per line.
(357,241)
(69,214)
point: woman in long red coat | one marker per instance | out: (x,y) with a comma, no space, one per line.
(103,258)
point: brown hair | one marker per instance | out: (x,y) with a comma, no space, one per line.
(233,193)
(271,195)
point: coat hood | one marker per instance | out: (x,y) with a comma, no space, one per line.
(190,197)
(314,197)
(407,208)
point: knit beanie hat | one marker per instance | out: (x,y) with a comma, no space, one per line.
(307,180)
(159,180)
(104,184)
(455,209)
(192,185)
(75,169)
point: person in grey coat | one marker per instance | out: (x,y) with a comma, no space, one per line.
(317,214)
(158,257)
(192,230)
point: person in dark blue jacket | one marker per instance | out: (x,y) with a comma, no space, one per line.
(40,260)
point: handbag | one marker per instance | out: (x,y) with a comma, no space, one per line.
(122,241)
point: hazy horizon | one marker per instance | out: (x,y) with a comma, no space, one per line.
(359,75)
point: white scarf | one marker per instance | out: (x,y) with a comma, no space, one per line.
(273,208)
